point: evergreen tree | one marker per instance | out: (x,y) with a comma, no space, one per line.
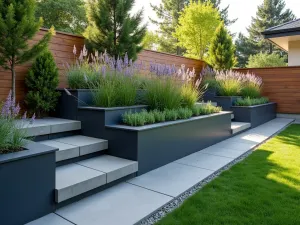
(41,82)
(270,13)
(221,51)
(64,15)
(18,25)
(168,13)
(118,31)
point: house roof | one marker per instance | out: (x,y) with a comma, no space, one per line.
(286,29)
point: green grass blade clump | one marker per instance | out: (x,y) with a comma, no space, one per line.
(189,95)
(251,101)
(163,94)
(185,113)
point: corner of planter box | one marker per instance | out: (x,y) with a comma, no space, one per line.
(31,149)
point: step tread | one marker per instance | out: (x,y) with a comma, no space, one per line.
(77,178)
(73,180)
(86,144)
(49,125)
(65,151)
(114,167)
(75,146)
(239,126)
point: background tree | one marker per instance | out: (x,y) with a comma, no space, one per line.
(197,25)
(18,25)
(118,31)
(168,13)
(223,12)
(150,41)
(64,15)
(222,50)
(270,13)
(42,81)
(266,60)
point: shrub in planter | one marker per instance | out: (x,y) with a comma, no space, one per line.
(163,93)
(42,81)
(251,101)
(156,116)
(252,86)
(115,90)
(229,83)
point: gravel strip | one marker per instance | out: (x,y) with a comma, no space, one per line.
(175,203)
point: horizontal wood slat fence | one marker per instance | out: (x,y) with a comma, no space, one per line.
(281,85)
(61,46)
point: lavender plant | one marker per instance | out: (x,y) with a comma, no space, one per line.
(208,76)
(252,86)
(12,137)
(229,83)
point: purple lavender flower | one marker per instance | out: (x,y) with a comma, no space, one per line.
(32,119)
(24,117)
(16,110)
(6,108)
(126,60)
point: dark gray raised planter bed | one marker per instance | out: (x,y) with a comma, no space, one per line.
(27,184)
(210,94)
(226,102)
(67,106)
(159,144)
(256,115)
(94,119)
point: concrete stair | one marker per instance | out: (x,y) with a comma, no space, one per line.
(78,178)
(82,165)
(75,146)
(237,127)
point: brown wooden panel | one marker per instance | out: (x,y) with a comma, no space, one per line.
(281,85)
(61,46)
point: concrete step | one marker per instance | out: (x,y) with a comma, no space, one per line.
(48,126)
(75,146)
(78,178)
(237,127)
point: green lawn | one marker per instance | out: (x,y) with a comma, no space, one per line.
(264,189)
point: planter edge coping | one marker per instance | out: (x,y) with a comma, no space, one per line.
(71,90)
(33,149)
(164,124)
(111,108)
(254,106)
(223,96)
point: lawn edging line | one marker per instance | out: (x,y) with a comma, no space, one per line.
(175,203)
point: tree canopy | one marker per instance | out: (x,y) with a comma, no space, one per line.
(265,60)
(18,25)
(270,13)
(64,15)
(117,31)
(197,24)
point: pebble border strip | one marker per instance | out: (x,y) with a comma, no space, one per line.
(177,202)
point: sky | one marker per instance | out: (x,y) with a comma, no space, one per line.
(241,9)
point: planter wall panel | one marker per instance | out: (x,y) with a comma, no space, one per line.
(159,144)
(27,188)
(256,115)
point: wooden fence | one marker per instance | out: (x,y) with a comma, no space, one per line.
(281,85)
(61,45)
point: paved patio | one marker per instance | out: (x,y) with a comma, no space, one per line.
(130,202)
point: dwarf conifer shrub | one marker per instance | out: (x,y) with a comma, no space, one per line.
(42,81)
